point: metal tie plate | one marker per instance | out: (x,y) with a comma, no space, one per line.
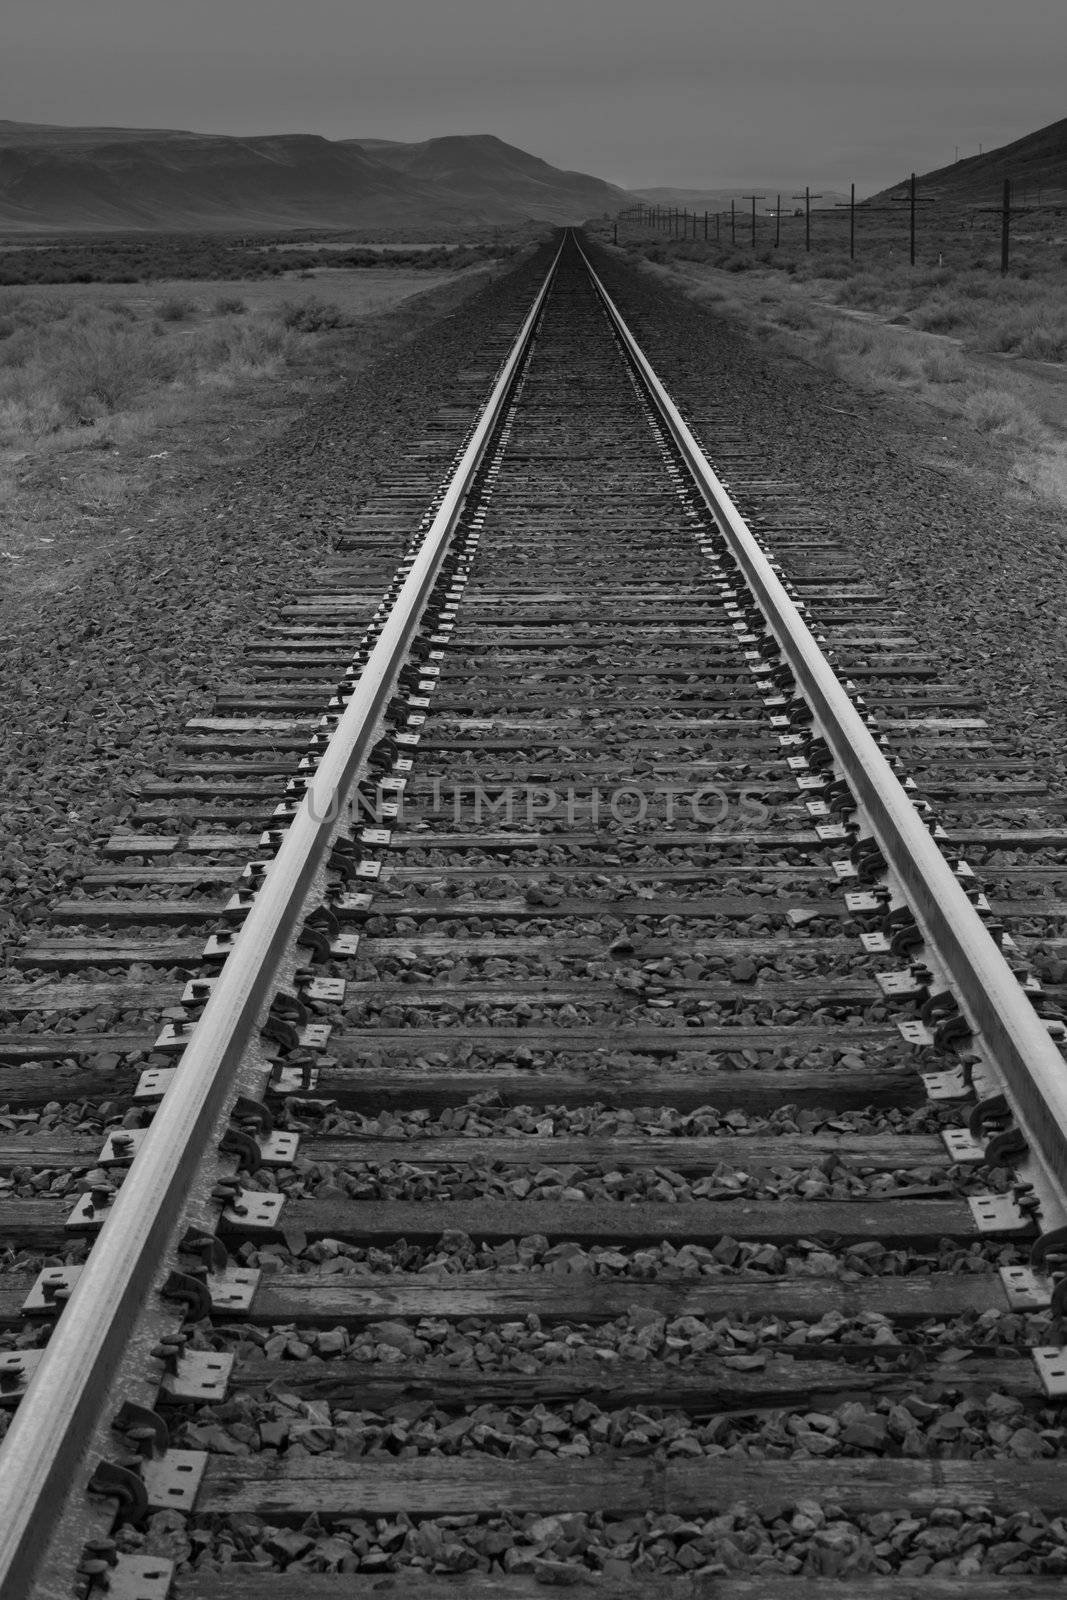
(294,1080)
(139,1578)
(42,1299)
(199,1375)
(1026,1290)
(88,1213)
(120,1146)
(328,990)
(233,1289)
(951,1085)
(172,1481)
(1051,1364)
(17,1368)
(997,1213)
(254,1210)
(154,1083)
(962,1146)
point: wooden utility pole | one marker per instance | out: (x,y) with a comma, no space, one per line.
(705,226)
(733,224)
(807,198)
(911,212)
(754,198)
(851,220)
(913,200)
(1005,227)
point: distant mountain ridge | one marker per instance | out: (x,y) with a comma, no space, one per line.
(1036,164)
(162,179)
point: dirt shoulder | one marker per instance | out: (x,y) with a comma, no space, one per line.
(1006,399)
(72,497)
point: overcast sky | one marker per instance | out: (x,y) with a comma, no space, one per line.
(686,92)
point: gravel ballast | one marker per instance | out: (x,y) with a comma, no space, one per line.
(920,500)
(100,676)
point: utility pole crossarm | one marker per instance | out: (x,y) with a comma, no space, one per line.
(807,198)
(912,199)
(754,198)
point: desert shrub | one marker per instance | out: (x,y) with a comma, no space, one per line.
(898,362)
(869,354)
(1001,412)
(310,316)
(943,366)
(795,316)
(931,277)
(1044,472)
(693,249)
(849,338)
(175,308)
(1046,340)
(863,293)
(979,285)
(705,294)
(106,369)
(943,314)
(836,270)
(230,305)
(73,375)
(1037,332)
(249,346)
(17,349)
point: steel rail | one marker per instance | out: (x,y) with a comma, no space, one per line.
(1032,1070)
(54,1420)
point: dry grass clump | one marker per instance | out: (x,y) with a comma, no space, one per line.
(257,345)
(67,363)
(945,313)
(869,354)
(1025,317)
(944,366)
(1038,331)
(796,316)
(1000,412)
(863,292)
(311,316)
(175,308)
(105,368)
(74,370)
(1043,472)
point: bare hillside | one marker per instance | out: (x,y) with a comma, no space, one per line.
(55,179)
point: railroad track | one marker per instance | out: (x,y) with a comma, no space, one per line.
(532,1097)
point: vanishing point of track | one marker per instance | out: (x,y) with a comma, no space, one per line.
(577,1107)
